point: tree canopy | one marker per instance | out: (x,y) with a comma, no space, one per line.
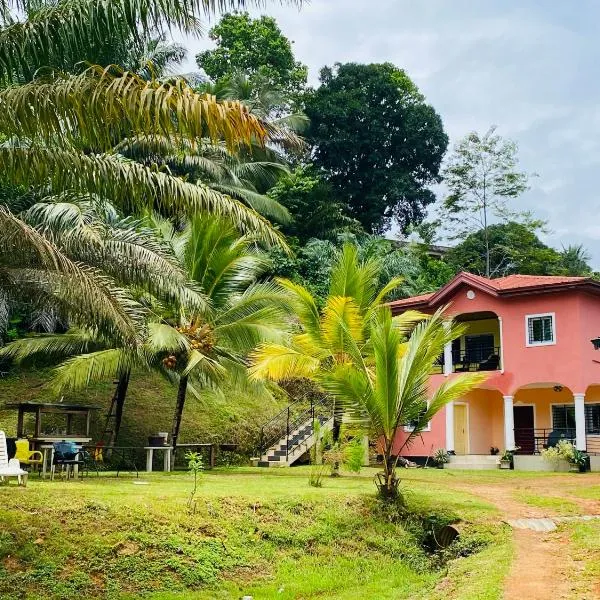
(256,47)
(514,248)
(482,175)
(378,142)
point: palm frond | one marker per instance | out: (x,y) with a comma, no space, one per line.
(28,259)
(306,308)
(52,346)
(279,363)
(263,205)
(70,27)
(128,184)
(342,326)
(80,371)
(100,107)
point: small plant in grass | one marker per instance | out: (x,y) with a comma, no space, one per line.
(441,457)
(348,454)
(318,466)
(196,467)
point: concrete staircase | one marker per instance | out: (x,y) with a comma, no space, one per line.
(300,441)
(473,462)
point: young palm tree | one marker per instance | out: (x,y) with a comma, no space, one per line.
(356,351)
(388,388)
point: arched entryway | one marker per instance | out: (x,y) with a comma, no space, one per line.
(475,423)
(541,412)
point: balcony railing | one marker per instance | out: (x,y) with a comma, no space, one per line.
(533,441)
(472,359)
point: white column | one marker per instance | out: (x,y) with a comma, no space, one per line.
(501,345)
(450,427)
(579,400)
(509,423)
(448,366)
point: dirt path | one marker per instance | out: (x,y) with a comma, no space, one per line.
(543,566)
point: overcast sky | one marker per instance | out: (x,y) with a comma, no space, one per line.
(528,66)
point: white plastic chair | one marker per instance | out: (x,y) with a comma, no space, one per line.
(12,467)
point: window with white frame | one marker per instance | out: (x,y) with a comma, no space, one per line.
(412,424)
(540,330)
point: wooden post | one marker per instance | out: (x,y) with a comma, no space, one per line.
(38,421)
(20,432)
(213,456)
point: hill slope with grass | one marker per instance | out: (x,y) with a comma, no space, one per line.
(262,533)
(230,417)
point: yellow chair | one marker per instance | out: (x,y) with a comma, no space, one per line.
(26,456)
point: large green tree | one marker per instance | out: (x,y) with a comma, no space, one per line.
(482,176)
(378,142)
(255,47)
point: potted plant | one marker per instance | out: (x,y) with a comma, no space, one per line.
(578,461)
(506,460)
(441,457)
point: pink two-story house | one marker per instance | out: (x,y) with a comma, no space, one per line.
(531,334)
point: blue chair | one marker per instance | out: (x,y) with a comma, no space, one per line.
(67,455)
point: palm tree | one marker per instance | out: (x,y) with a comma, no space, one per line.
(267,102)
(241,313)
(122,255)
(356,351)
(575,260)
(326,337)
(221,315)
(388,388)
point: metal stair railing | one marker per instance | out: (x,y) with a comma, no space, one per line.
(296,414)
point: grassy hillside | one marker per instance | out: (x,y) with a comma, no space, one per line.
(257,532)
(231,417)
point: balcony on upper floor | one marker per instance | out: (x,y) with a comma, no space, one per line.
(479,348)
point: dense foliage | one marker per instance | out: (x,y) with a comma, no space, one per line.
(378,141)
(255,47)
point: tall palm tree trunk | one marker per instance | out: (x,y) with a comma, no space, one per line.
(181,392)
(120,394)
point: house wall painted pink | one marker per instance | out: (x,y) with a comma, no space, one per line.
(529,373)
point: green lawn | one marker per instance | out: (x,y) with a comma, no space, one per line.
(263,533)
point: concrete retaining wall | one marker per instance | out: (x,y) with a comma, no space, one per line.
(537,463)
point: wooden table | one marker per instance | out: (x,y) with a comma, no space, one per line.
(166,450)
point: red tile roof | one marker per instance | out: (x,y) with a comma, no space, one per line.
(412,300)
(510,285)
(513,282)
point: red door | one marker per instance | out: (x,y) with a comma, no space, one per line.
(524,429)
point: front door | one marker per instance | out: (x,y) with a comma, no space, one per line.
(524,429)
(461,445)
